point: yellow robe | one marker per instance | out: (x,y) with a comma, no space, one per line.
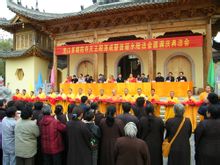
(102,105)
(191,112)
(71,96)
(169,112)
(42,95)
(203,96)
(127,98)
(26,96)
(156,107)
(136,96)
(18,95)
(78,96)
(91,97)
(64,103)
(53,96)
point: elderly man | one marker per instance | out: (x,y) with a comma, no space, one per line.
(51,137)
(131,150)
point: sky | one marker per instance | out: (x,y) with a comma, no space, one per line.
(50,6)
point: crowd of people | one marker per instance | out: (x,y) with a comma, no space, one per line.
(32,134)
(139,78)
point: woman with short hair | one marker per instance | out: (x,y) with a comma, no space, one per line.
(207,141)
(131,150)
(180,148)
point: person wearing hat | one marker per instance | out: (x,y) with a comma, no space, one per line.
(51,137)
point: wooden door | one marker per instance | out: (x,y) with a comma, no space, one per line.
(86,67)
(180,64)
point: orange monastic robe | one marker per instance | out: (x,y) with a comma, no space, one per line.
(203,96)
(91,97)
(137,95)
(191,112)
(102,105)
(156,106)
(127,98)
(169,112)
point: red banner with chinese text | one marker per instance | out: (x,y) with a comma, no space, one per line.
(131,45)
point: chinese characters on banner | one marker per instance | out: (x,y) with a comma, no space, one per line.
(131,45)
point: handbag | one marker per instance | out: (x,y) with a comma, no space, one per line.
(166,146)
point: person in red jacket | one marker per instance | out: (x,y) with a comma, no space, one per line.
(51,138)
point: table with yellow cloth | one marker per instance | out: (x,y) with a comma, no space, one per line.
(180,88)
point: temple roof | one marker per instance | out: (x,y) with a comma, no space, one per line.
(34,50)
(42,16)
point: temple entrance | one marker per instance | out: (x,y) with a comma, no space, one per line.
(85,67)
(180,64)
(129,64)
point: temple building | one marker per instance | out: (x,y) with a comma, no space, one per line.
(112,37)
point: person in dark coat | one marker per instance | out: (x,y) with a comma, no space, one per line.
(126,117)
(144,78)
(59,114)
(37,112)
(111,129)
(89,117)
(69,112)
(151,131)
(120,79)
(38,115)
(180,149)
(181,77)
(212,99)
(207,141)
(130,150)
(79,140)
(170,77)
(138,108)
(159,78)
(98,115)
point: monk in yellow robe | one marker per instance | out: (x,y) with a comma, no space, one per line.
(203,97)
(32,95)
(114,97)
(71,95)
(79,95)
(90,95)
(24,94)
(17,93)
(126,96)
(52,94)
(139,94)
(190,109)
(41,94)
(152,98)
(63,102)
(169,112)
(102,105)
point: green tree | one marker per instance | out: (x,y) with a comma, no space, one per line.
(6,44)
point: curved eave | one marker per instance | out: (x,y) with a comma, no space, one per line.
(32,51)
(88,12)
